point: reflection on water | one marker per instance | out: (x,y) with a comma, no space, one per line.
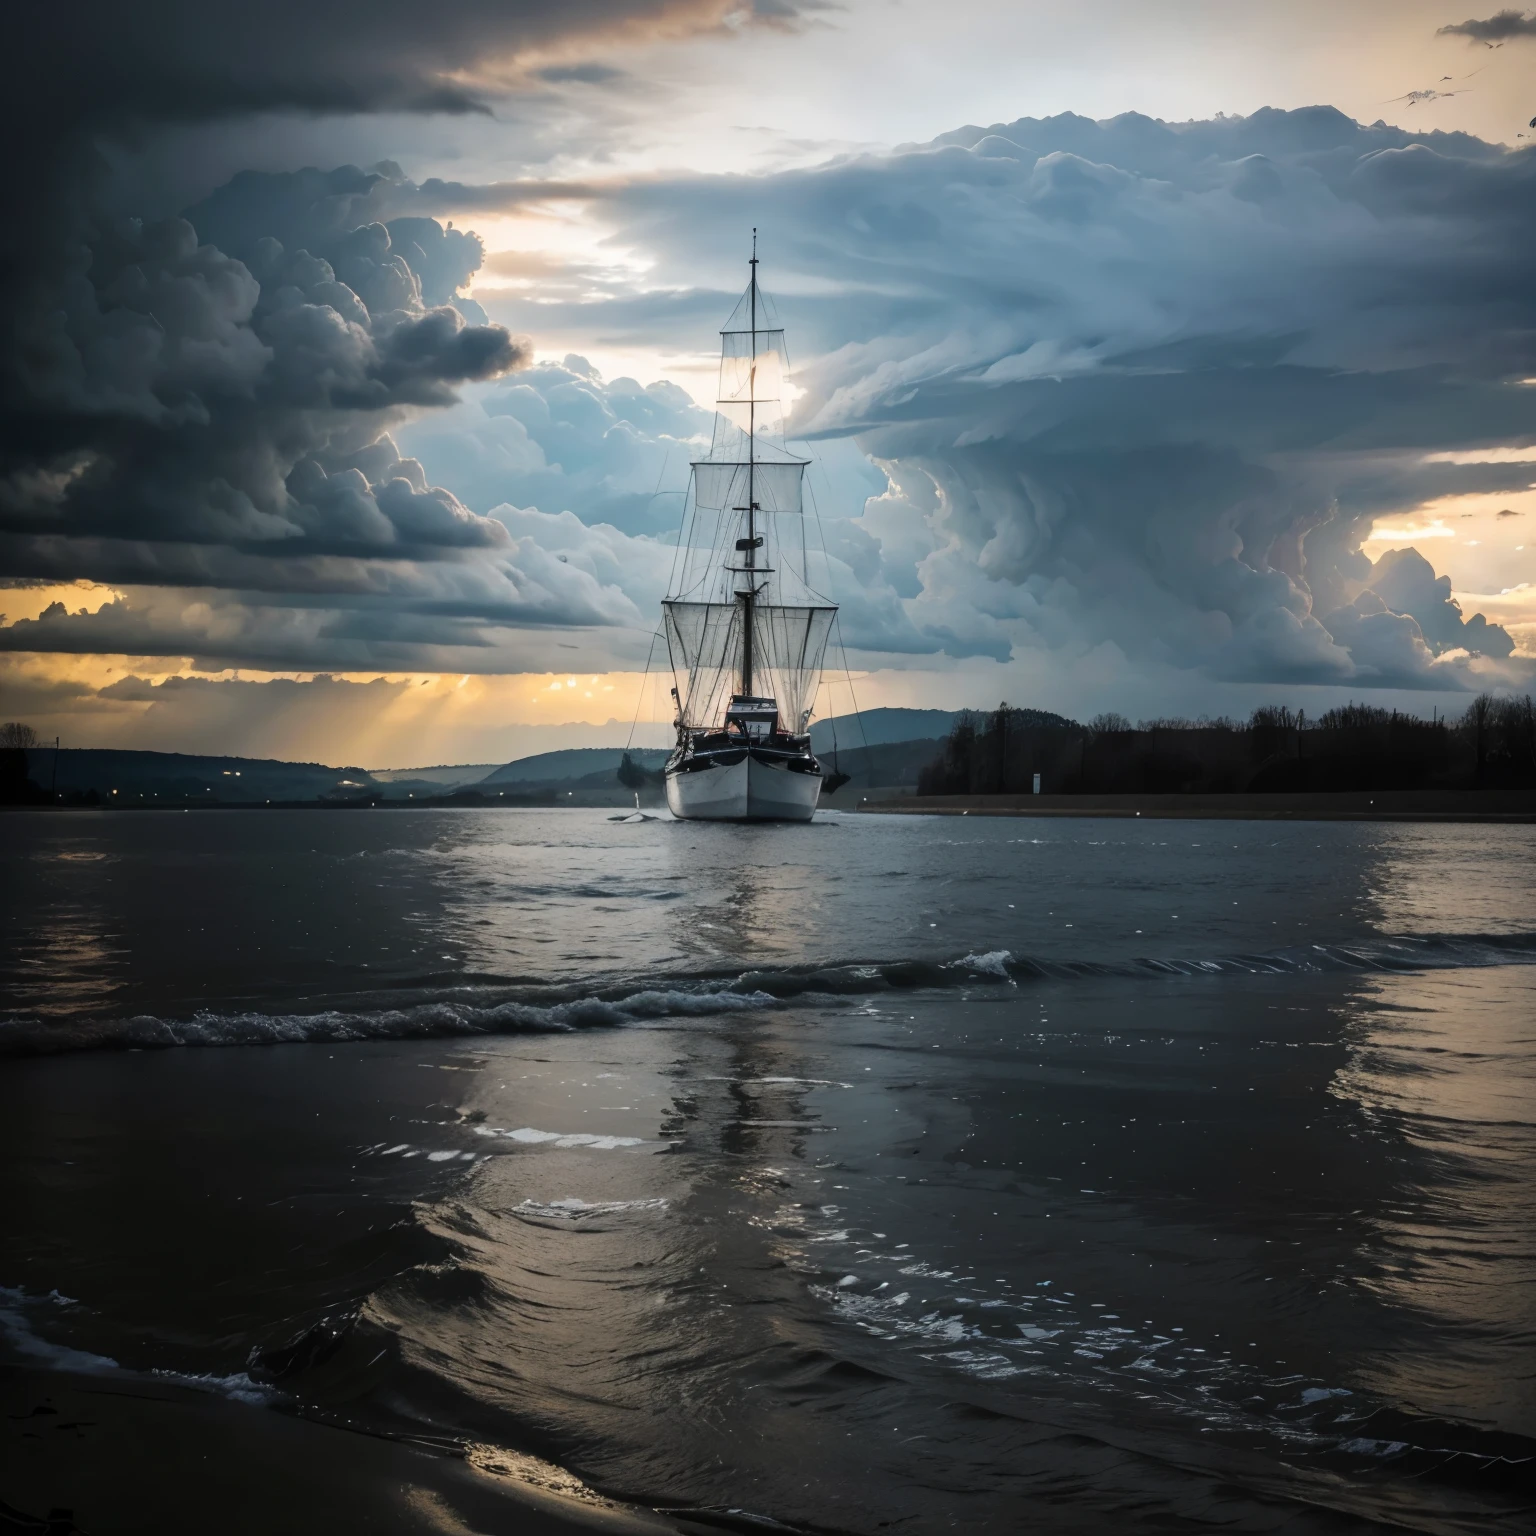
(1444,1065)
(302,912)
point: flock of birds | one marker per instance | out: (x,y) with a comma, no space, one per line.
(1413,98)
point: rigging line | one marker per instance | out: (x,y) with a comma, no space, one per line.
(666,459)
(640,694)
(688,519)
(858,714)
(805,568)
(814,467)
(821,534)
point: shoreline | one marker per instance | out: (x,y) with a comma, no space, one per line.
(1509,806)
(115,1453)
(540,802)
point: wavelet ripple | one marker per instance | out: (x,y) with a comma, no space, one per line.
(598,1004)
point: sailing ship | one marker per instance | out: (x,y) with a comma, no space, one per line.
(745,631)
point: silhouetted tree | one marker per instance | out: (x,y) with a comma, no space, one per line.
(1478,723)
(1517,732)
(1108,724)
(1350,747)
(16,740)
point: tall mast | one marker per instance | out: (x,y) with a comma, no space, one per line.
(750,594)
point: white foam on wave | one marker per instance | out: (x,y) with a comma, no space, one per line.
(437,1020)
(993,963)
(572,1209)
(530,1136)
(239,1387)
(404,1150)
(32,1348)
(998,1337)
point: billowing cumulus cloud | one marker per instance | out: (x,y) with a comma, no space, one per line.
(558,437)
(1149,385)
(181,396)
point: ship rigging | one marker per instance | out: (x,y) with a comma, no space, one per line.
(745,631)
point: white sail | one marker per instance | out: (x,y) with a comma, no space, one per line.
(722,486)
(753,369)
(790,644)
(704,644)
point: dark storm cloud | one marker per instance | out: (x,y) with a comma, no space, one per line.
(205,401)
(186,396)
(1497,28)
(483,615)
(231,444)
(1159,378)
(100,63)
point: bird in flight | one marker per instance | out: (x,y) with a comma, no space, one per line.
(1413,98)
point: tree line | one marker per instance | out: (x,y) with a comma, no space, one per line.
(1276,750)
(16,788)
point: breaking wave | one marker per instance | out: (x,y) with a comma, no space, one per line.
(573,1006)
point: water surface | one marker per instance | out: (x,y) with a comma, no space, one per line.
(882,1172)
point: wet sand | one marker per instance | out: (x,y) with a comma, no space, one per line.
(1495,805)
(106,1455)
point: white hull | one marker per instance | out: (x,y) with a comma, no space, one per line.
(746,791)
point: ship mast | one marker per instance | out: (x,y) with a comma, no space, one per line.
(750,594)
(717,650)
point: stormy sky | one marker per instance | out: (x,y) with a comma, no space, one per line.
(1166,359)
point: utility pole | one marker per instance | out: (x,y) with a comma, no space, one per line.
(54,791)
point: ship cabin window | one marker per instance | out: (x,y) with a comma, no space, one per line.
(755,718)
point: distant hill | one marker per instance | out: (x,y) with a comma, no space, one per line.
(463,773)
(138,777)
(882,748)
(571,764)
(879,727)
(890,766)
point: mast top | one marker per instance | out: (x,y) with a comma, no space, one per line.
(754,245)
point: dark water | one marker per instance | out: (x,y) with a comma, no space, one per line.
(885,1173)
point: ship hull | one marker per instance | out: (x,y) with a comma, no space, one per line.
(749,789)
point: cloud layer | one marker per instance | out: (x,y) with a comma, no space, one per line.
(1159,379)
(1126,392)
(207,428)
